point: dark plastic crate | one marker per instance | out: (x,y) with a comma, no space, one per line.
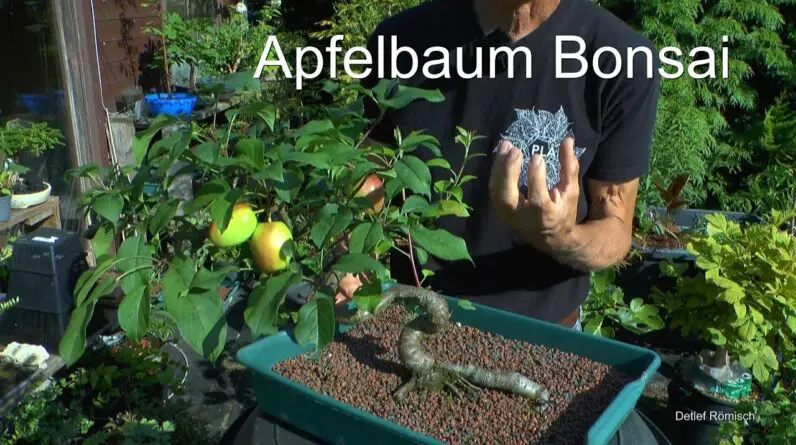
(34,327)
(44,268)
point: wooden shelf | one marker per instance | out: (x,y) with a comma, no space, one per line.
(46,214)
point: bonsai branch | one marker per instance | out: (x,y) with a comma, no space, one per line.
(428,373)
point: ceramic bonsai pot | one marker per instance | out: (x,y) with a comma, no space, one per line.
(31,199)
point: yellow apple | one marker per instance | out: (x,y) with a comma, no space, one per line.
(268,246)
(240,228)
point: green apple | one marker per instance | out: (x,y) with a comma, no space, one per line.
(268,246)
(240,228)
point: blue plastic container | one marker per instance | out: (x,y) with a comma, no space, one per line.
(324,417)
(37,104)
(175,104)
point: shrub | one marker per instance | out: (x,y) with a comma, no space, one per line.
(744,301)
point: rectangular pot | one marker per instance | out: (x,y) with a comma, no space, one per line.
(335,422)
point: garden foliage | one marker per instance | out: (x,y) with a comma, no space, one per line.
(699,119)
(606,306)
(745,298)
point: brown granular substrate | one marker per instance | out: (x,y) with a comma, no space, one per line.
(363,370)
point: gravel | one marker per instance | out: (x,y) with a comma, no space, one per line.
(363,370)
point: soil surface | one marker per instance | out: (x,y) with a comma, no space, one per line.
(363,370)
(26,187)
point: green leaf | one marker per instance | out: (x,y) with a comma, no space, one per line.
(593,326)
(317,160)
(413,204)
(207,194)
(356,263)
(314,127)
(135,263)
(73,343)
(405,95)
(330,226)
(769,357)
(740,310)
(272,172)
(200,318)
(109,206)
(103,288)
(221,210)
(414,174)
(466,305)
(446,207)
(439,163)
(262,313)
(365,237)
(717,337)
(316,323)
(134,313)
(207,152)
(416,139)
(367,297)
(142,139)
(178,278)
(103,239)
(440,243)
(290,185)
(164,213)
(252,150)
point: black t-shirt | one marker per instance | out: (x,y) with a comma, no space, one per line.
(611,119)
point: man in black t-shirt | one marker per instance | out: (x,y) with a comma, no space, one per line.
(555,194)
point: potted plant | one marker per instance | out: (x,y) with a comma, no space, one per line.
(169,103)
(8,180)
(743,303)
(20,139)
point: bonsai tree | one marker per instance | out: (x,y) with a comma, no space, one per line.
(744,299)
(307,205)
(20,137)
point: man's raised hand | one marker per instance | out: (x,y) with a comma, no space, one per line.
(543,217)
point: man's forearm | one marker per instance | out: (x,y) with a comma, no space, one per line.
(593,245)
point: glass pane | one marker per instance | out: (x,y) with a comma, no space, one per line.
(31,91)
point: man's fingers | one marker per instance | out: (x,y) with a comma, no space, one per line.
(505,176)
(538,193)
(570,167)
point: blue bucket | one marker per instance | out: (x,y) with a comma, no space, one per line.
(175,104)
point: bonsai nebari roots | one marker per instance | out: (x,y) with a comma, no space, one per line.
(428,373)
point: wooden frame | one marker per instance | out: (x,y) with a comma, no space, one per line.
(73,26)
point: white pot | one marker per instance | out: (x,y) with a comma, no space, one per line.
(31,199)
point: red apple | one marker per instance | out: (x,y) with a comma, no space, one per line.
(372,189)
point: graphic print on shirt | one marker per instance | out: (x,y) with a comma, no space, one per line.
(540,132)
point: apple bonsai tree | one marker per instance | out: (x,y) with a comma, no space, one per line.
(307,205)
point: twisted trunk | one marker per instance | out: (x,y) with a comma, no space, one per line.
(428,373)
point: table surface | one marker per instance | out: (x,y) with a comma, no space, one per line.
(33,215)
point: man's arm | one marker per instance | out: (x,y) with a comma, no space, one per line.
(605,238)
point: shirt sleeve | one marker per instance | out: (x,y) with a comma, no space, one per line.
(625,145)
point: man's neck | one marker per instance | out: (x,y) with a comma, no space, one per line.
(516,18)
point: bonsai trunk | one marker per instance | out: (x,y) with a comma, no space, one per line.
(428,373)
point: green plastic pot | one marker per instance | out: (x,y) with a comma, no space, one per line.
(324,417)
